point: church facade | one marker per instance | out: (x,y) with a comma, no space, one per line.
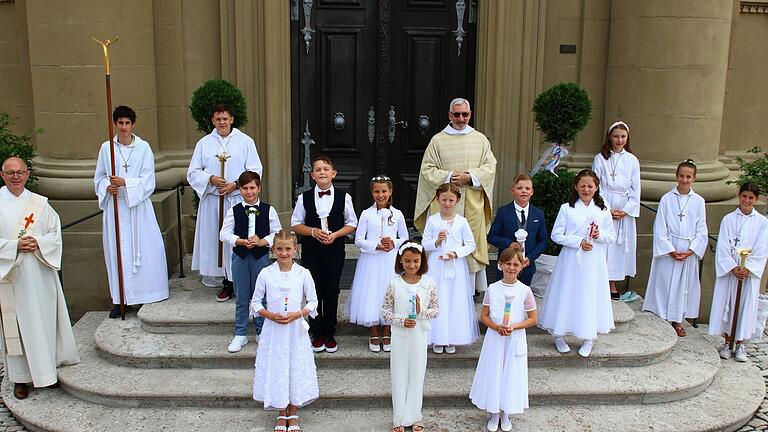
(368,82)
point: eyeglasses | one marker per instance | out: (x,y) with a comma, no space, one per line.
(381,178)
(15,173)
(460,114)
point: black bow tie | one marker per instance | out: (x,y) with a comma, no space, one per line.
(250,206)
(320,194)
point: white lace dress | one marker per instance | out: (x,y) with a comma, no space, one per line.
(285,364)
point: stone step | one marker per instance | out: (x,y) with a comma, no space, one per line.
(687,371)
(728,403)
(192,309)
(647,340)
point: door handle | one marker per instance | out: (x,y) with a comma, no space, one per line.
(393,123)
(423,124)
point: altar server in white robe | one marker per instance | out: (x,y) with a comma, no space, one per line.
(578,301)
(36,332)
(145,273)
(204,176)
(619,173)
(679,243)
(742,229)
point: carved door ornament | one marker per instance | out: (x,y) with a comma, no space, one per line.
(306,168)
(461,6)
(423,124)
(338,121)
(307,30)
(371,125)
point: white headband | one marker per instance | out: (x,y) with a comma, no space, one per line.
(614,124)
(408,245)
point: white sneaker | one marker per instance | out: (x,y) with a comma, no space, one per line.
(586,348)
(740,353)
(237,343)
(506,424)
(562,345)
(725,352)
(437,349)
(450,349)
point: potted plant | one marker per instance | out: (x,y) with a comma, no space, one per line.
(560,113)
(12,144)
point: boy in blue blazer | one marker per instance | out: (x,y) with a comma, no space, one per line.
(520,214)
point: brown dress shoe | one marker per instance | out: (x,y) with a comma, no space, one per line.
(20,390)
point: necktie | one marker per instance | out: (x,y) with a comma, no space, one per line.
(522,217)
(322,193)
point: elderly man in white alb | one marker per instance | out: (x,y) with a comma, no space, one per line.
(460,155)
(36,332)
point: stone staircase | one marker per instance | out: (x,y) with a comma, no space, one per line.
(167,368)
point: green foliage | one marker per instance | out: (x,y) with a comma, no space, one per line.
(17,145)
(755,171)
(561,112)
(549,193)
(215,92)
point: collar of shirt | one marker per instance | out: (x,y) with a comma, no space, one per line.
(676,191)
(256,204)
(451,131)
(232,132)
(518,208)
(746,214)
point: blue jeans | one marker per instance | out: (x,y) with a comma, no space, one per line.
(244,273)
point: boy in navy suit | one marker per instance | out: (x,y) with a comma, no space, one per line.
(520,214)
(249,227)
(323,217)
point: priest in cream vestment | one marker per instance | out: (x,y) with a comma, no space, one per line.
(460,155)
(37,334)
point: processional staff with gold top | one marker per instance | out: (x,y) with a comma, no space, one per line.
(105,46)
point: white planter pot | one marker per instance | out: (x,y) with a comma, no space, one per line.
(544,266)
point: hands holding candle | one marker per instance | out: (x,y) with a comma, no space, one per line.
(415,305)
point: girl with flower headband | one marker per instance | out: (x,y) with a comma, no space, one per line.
(619,173)
(743,233)
(448,238)
(381,230)
(410,302)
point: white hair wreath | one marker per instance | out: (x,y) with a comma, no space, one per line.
(408,245)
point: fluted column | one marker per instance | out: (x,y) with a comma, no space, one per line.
(666,78)
(510,61)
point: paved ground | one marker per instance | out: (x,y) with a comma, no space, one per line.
(758,353)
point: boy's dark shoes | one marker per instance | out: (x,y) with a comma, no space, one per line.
(317,344)
(615,296)
(115,312)
(225,294)
(20,391)
(330,344)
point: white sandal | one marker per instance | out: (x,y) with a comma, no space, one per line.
(294,428)
(279,428)
(374,347)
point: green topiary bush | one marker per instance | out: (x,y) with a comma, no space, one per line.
(17,145)
(561,112)
(549,193)
(755,171)
(215,92)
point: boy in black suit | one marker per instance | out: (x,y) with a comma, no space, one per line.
(516,215)
(323,217)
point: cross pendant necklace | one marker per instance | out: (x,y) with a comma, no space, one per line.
(737,239)
(125,165)
(615,165)
(681,215)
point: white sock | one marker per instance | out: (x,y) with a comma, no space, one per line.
(505,422)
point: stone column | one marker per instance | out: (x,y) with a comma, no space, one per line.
(510,63)
(68,84)
(666,78)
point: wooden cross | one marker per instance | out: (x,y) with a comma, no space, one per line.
(125,165)
(681,215)
(29,219)
(736,241)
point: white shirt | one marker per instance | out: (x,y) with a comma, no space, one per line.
(228,226)
(525,209)
(323,206)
